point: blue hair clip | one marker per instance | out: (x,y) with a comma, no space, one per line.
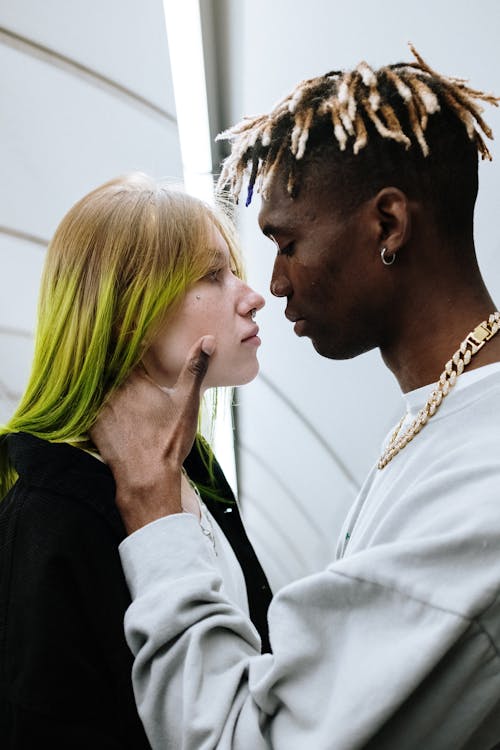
(249,196)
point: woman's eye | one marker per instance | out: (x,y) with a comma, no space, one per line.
(218,274)
(215,274)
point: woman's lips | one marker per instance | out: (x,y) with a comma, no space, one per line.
(255,340)
(252,337)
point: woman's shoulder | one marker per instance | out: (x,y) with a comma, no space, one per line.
(60,488)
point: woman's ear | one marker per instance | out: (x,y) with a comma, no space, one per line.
(393,218)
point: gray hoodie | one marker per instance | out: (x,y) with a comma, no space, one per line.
(394,645)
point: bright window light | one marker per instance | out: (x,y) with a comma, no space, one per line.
(185,44)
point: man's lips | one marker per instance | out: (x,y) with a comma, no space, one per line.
(298,320)
(292,317)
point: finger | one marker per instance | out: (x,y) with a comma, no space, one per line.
(208,345)
(195,367)
(141,375)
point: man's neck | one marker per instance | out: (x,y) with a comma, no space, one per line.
(418,355)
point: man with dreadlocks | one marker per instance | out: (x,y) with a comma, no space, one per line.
(368,180)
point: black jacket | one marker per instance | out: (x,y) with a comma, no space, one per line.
(65,667)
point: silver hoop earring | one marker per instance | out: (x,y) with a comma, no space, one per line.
(253,313)
(389,260)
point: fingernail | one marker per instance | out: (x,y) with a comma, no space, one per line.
(208,345)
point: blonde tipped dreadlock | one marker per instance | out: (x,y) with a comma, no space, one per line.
(354,102)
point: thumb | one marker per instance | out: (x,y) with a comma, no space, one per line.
(196,365)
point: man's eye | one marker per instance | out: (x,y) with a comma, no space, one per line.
(287,250)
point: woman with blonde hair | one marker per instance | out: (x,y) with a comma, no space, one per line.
(135,274)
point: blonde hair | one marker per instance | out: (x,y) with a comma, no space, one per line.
(119,261)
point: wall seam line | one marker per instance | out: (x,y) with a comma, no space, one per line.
(84,72)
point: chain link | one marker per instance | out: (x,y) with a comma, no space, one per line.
(471,344)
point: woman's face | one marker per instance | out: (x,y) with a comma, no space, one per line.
(219,304)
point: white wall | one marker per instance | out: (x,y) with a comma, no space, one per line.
(86,94)
(293,492)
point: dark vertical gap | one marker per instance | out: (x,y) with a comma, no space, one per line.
(215,25)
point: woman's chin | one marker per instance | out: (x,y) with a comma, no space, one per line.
(229,380)
(251,376)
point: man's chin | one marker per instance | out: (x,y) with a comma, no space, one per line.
(324,345)
(335,350)
(323,348)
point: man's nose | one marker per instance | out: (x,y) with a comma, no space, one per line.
(280,283)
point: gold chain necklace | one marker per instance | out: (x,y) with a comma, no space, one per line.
(471,344)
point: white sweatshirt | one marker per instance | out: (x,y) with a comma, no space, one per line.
(395,645)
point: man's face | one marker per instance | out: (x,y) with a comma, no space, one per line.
(328,268)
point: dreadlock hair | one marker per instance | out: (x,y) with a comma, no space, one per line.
(403,125)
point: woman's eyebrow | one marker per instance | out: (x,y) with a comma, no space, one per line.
(219,256)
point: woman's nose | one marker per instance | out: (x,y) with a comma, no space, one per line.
(252,301)
(257,301)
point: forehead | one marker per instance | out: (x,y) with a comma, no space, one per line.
(280,213)
(216,242)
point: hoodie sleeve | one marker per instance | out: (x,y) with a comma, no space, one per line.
(351,656)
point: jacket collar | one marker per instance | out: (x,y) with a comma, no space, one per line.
(65,470)
(71,471)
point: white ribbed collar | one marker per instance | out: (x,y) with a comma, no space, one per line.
(416,399)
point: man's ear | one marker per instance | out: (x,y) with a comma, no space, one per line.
(392,216)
